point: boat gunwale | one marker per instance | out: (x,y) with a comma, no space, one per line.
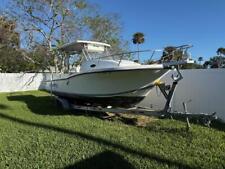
(151,85)
(105,71)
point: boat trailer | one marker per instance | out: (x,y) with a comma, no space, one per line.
(168,93)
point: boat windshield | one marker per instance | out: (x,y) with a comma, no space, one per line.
(168,54)
(96,55)
(108,55)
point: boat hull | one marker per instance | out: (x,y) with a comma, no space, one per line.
(110,87)
(115,101)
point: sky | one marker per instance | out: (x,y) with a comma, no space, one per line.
(170,22)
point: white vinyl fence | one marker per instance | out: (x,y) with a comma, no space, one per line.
(202,90)
(12,82)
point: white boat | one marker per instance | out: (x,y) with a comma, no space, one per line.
(106,80)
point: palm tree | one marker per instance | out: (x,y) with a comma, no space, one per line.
(138,38)
(200,59)
(220,51)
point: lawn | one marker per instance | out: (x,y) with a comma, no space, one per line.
(37,134)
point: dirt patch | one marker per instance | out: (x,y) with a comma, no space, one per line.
(130,119)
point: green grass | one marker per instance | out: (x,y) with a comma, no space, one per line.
(37,134)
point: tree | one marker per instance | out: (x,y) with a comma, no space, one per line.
(106,29)
(168,53)
(217,62)
(46,22)
(220,60)
(10,58)
(220,51)
(56,22)
(8,36)
(171,53)
(200,59)
(138,38)
(38,53)
(191,66)
(206,64)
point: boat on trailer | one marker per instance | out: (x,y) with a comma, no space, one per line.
(105,79)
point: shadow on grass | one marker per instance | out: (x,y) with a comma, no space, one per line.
(47,105)
(43,105)
(104,160)
(3,106)
(218,124)
(100,141)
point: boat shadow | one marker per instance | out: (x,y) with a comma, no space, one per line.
(47,105)
(42,105)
